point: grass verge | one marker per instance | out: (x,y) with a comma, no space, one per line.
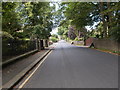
(108,51)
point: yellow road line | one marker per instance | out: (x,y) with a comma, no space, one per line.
(21,86)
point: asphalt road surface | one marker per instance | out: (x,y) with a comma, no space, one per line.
(70,66)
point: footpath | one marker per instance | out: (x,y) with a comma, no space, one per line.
(12,73)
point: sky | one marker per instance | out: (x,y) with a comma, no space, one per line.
(54,30)
(92,27)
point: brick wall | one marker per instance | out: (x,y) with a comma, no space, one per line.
(107,44)
(103,43)
(89,41)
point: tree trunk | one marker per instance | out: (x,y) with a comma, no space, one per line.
(41,45)
(38,44)
(46,43)
(103,19)
(109,17)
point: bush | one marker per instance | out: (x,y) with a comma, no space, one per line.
(53,39)
(80,39)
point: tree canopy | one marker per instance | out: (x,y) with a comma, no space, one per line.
(82,14)
(36,19)
(27,19)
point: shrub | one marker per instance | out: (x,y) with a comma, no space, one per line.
(53,39)
(80,39)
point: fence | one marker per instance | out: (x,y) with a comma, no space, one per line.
(11,48)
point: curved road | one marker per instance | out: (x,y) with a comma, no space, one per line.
(70,66)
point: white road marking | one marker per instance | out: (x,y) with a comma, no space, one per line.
(21,86)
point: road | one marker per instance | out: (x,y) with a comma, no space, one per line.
(70,66)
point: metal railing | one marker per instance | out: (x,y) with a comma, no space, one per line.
(12,48)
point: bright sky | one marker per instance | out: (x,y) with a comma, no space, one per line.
(54,31)
(93,27)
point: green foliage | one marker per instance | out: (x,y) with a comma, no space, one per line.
(65,33)
(40,19)
(115,33)
(58,14)
(10,19)
(79,14)
(60,31)
(7,35)
(78,39)
(34,18)
(54,39)
(54,35)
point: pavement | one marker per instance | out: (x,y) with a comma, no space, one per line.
(16,68)
(70,66)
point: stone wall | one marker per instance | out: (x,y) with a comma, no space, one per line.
(103,44)
(106,44)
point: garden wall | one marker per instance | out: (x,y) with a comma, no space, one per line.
(106,44)
(103,44)
(89,41)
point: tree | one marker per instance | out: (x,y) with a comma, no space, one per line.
(85,14)
(60,31)
(109,14)
(10,19)
(54,35)
(71,33)
(79,14)
(36,19)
